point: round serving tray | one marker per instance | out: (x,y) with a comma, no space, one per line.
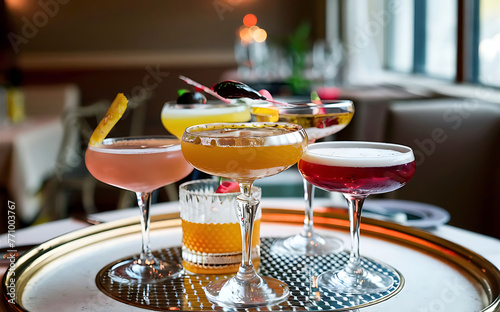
(439,275)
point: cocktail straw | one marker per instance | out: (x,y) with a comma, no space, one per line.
(202,87)
(211,92)
(279,103)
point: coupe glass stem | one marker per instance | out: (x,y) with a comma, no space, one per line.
(247,207)
(144,202)
(355,204)
(353,279)
(147,269)
(247,288)
(307,242)
(308,229)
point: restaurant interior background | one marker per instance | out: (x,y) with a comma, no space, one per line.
(421,73)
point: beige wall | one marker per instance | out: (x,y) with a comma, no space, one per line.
(105,47)
(151,26)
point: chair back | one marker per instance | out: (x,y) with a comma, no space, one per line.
(457,148)
(77,133)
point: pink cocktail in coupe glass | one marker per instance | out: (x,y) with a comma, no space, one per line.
(357,169)
(141,165)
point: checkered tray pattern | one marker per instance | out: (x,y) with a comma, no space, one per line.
(299,272)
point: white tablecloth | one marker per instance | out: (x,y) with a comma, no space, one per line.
(28,154)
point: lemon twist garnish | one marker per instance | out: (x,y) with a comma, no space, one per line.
(270,113)
(114,113)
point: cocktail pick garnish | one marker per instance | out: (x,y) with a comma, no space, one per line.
(204,88)
(180,92)
(266,94)
(190,97)
(232,89)
(315,98)
(279,102)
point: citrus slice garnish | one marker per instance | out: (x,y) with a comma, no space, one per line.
(114,113)
(271,113)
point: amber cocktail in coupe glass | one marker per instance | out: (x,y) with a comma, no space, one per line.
(141,165)
(320,119)
(245,152)
(357,169)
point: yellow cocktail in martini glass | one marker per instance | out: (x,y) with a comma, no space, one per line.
(177,117)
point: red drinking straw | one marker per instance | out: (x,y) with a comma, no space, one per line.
(202,87)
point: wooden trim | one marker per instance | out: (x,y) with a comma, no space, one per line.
(120,59)
(461,24)
(419,36)
(467,41)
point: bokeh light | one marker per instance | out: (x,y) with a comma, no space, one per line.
(260,35)
(245,34)
(18,5)
(249,32)
(250,20)
(253,29)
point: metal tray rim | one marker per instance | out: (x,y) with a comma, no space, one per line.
(486,274)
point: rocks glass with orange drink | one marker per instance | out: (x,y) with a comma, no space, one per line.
(211,236)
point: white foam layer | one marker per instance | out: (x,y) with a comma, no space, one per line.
(358,154)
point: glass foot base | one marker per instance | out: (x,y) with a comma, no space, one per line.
(315,245)
(236,293)
(369,282)
(130,271)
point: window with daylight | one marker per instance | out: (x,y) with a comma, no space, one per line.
(400,49)
(455,40)
(441,38)
(489,44)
